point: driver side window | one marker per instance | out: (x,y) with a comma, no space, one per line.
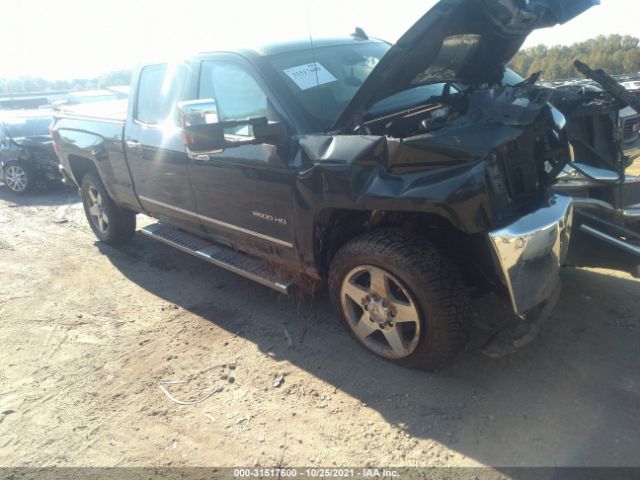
(237,94)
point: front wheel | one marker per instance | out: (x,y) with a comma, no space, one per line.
(18,177)
(110,223)
(400,298)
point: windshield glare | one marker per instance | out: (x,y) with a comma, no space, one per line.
(325,87)
(325,80)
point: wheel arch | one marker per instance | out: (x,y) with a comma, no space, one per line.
(334,228)
(80,166)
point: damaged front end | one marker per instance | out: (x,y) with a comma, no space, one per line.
(480,154)
(482,160)
(519,137)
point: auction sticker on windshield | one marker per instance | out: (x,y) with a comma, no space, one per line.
(310,75)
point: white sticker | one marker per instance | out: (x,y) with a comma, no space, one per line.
(310,75)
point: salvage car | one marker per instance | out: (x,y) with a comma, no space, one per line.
(27,153)
(407,177)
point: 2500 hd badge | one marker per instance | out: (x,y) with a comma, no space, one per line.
(270,218)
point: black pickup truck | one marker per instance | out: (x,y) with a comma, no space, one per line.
(405,177)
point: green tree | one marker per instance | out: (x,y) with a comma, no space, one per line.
(27,84)
(615,53)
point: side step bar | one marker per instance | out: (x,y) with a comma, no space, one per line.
(628,247)
(252,268)
(629,213)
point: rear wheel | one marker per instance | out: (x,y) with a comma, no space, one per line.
(110,223)
(17,177)
(400,298)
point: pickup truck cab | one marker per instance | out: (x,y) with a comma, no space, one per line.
(405,177)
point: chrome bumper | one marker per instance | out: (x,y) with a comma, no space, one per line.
(531,251)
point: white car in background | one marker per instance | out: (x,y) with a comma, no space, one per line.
(632,86)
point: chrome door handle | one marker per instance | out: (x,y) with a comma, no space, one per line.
(133,144)
(203,156)
(199,157)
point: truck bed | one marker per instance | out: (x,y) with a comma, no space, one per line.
(113,111)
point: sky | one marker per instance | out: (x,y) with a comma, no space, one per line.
(65,39)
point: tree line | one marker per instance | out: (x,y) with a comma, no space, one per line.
(616,54)
(36,84)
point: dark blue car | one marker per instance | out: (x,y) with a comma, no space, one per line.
(26,151)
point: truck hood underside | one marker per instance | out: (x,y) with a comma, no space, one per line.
(458,41)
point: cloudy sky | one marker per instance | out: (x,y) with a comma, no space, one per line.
(62,39)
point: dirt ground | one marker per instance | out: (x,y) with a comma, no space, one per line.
(89,331)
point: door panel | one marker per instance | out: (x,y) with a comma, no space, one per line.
(248,188)
(155,150)
(159,166)
(244,193)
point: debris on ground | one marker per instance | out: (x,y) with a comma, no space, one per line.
(279,381)
(180,402)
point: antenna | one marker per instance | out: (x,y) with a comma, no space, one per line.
(313,49)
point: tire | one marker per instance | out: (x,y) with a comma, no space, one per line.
(111,224)
(425,303)
(18,177)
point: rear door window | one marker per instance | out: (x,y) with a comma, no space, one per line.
(160,89)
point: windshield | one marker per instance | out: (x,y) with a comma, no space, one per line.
(325,86)
(325,80)
(27,127)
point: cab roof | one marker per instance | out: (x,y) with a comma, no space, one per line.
(270,49)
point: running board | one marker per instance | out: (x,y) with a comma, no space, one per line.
(626,246)
(252,268)
(630,213)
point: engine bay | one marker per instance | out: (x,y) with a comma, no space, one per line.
(531,150)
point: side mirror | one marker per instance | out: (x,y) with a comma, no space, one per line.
(204,133)
(200,126)
(198,112)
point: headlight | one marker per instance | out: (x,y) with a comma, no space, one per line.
(497,179)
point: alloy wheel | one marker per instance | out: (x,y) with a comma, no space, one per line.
(96,210)
(15,177)
(381,312)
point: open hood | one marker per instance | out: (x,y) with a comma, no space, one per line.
(461,41)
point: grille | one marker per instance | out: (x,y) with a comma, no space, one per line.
(520,167)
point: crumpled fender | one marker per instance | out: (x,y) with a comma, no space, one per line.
(383,173)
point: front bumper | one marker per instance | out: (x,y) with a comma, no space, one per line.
(530,252)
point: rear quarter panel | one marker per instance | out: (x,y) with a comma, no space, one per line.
(99,141)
